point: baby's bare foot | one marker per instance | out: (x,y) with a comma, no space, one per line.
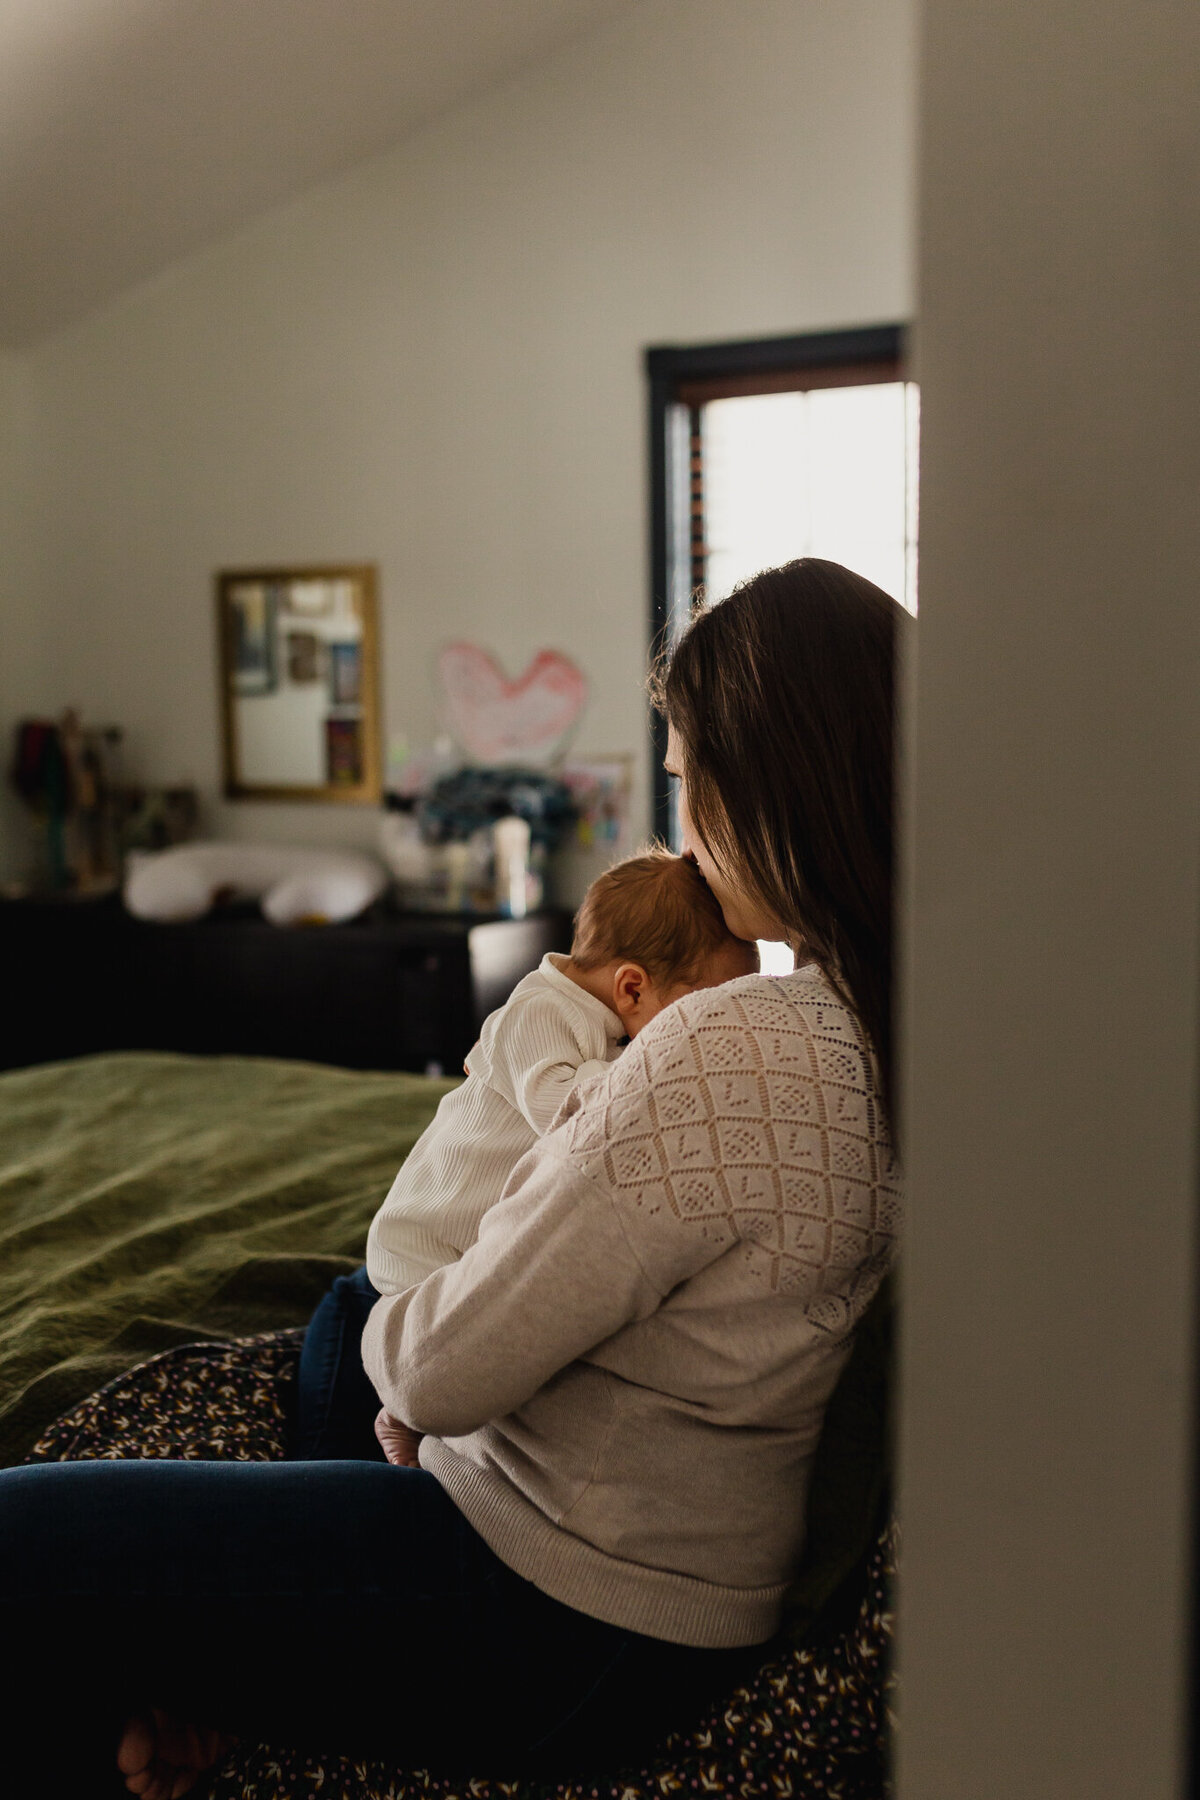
(161,1757)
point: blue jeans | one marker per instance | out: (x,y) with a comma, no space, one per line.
(336,1405)
(338,1605)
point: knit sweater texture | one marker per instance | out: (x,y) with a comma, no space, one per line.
(623,1380)
(549,1035)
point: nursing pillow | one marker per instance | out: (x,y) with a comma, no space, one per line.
(295,886)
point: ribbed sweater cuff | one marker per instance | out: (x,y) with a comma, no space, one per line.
(657,1602)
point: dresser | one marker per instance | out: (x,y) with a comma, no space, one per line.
(391,990)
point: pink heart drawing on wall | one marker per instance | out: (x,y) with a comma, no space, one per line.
(497,720)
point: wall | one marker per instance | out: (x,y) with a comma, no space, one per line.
(434,364)
(22,663)
(1054,905)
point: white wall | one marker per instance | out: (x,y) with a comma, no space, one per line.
(434,364)
(22,641)
(1054,908)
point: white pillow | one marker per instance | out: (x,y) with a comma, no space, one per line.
(294,885)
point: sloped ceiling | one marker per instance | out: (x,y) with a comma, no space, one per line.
(134,131)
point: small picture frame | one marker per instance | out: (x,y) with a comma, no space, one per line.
(303,656)
(252,625)
(601,787)
(343,752)
(345,680)
(310,598)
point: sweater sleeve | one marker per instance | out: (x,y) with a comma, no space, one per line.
(552,1274)
(536,1057)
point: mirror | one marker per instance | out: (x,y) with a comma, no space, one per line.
(299,684)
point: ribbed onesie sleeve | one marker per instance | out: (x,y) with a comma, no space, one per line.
(534,1051)
(550,1038)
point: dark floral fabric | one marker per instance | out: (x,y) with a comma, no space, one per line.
(812,1725)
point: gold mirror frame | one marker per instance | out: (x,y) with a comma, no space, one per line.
(362,780)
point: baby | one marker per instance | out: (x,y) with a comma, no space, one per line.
(648,931)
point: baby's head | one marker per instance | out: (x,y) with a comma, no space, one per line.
(650,930)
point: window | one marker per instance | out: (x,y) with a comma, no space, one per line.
(769,450)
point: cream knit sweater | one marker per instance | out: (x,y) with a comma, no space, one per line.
(549,1035)
(624,1379)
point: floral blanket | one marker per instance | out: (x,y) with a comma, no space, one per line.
(812,1724)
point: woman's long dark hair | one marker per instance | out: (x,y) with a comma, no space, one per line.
(782,698)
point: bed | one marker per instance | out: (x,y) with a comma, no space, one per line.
(167,1224)
(147,1200)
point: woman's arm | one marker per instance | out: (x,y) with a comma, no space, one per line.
(553,1274)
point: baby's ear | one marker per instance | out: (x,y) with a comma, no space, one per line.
(630,982)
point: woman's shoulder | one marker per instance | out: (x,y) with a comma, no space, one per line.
(740,1100)
(806,998)
(789,1043)
(780,1018)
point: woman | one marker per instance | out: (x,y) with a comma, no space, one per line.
(620,1386)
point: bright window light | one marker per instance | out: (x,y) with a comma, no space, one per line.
(831,472)
(775,959)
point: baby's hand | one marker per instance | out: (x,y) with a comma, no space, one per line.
(399,1441)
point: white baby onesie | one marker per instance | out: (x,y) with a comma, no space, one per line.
(549,1036)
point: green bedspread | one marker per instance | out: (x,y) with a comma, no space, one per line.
(146,1200)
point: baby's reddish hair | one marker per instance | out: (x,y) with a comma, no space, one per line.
(654,909)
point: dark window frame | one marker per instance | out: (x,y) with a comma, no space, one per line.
(682,378)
